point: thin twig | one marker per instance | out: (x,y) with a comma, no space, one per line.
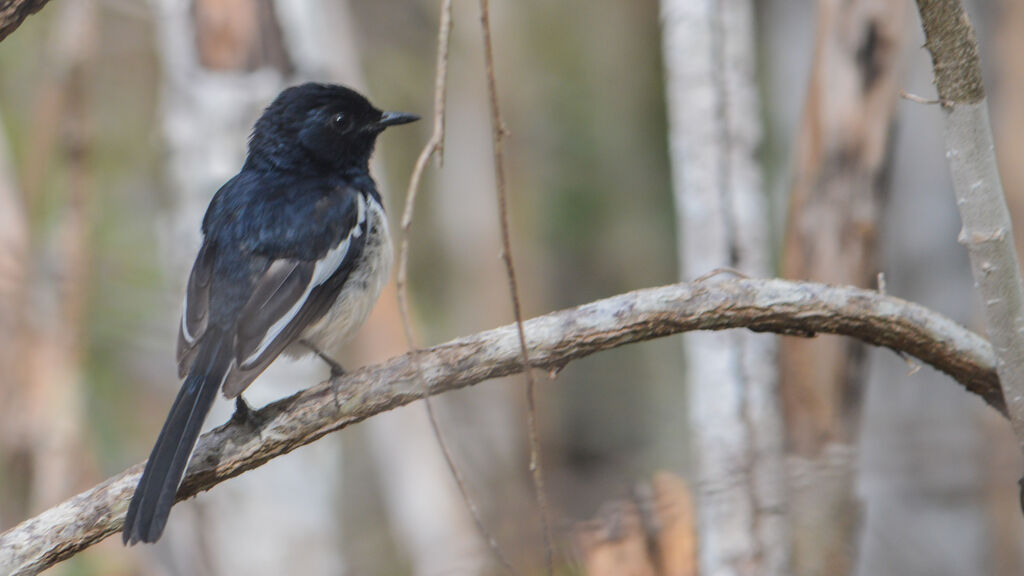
(722,270)
(921,99)
(435,145)
(498,133)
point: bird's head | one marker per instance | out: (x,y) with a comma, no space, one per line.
(319,126)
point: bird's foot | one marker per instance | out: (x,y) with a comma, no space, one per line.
(245,415)
(336,368)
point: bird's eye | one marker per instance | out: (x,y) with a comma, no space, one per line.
(339,120)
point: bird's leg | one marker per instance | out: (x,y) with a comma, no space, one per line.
(243,413)
(246,416)
(336,368)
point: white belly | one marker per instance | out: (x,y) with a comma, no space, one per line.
(358,295)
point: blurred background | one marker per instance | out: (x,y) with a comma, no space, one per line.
(120,118)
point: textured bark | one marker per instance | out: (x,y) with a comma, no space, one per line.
(987,232)
(834,214)
(554,340)
(14,12)
(714,110)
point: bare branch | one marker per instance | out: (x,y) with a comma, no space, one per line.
(14,12)
(987,232)
(497,136)
(553,341)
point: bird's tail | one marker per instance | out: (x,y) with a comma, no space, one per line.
(155,494)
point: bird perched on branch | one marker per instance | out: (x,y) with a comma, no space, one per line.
(295,252)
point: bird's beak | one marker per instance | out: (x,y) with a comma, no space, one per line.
(396,118)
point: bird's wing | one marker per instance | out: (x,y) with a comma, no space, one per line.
(289,296)
(195,314)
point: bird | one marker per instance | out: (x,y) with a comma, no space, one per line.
(295,252)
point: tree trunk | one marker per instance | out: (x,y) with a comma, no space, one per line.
(45,448)
(1005,530)
(835,207)
(14,262)
(714,135)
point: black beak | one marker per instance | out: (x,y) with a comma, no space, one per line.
(396,118)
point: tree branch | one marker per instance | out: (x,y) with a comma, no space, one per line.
(553,341)
(14,12)
(987,232)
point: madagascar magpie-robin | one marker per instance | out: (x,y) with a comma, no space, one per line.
(295,252)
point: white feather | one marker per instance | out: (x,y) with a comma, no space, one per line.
(360,292)
(184,322)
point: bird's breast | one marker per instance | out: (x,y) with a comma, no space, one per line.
(360,291)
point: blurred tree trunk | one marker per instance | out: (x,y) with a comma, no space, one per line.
(42,389)
(56,334)
(224,61)
(835,206)
(715,131)
(14,262)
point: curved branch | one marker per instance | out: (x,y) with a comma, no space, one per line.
(14,12)
(554,340)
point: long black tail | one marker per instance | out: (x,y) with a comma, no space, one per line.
(155,494)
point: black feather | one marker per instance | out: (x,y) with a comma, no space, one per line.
(297,197)
(151,504)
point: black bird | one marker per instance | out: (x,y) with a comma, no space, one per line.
(295,252)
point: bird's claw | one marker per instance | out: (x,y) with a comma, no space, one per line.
(244,414)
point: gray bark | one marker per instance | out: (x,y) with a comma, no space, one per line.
(987,232)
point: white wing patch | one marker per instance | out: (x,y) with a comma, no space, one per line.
(189,338)
(324,269)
